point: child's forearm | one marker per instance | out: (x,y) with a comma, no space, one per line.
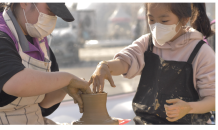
(117,67)
(205,105)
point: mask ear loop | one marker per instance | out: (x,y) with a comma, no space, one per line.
(179,29)
(25,15)
(36,7)
(185,35)
(187,32)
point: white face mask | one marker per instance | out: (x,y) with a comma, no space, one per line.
(163,33)
(44,26)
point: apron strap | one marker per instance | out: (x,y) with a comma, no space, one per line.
(21,37)
(150,44)
(192,56)
(195,51)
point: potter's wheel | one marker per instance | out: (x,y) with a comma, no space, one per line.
(122,121)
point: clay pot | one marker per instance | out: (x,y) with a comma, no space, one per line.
(95,111)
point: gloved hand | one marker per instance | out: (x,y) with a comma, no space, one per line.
(176,111)
(75,88)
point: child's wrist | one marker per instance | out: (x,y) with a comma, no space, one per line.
(191,107)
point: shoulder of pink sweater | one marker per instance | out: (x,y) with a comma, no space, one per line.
(205,59)
(141,42)
(137,47)
(206,54)
(143,38)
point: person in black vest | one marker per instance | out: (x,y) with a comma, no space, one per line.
(177,69)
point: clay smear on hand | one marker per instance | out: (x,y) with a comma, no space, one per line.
(95,111)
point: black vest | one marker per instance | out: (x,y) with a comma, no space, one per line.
(162,80)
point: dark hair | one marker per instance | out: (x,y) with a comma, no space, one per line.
(12,5)
(197,12)
(2,7)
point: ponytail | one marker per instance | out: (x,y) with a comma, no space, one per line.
(199,19)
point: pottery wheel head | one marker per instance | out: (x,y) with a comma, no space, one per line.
(103,93)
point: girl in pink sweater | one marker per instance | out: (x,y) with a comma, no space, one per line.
(177,69)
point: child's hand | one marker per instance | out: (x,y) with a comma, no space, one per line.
(176,111)
(101,73)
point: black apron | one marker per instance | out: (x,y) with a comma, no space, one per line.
(162,80)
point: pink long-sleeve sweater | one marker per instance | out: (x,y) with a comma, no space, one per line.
(178,50)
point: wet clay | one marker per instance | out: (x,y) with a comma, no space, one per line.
(95,111)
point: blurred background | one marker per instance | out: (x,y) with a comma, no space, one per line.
(99,31)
